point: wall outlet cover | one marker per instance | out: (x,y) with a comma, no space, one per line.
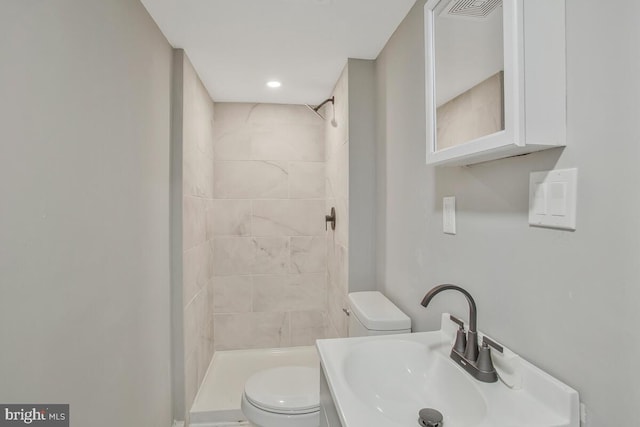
(449,215)
(553,198)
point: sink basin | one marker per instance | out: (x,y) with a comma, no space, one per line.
(420,379)
(383,381)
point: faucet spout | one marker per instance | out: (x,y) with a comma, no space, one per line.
(481,368)
(473,316)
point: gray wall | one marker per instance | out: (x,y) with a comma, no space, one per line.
(362,173)
(566,301)
(84,210)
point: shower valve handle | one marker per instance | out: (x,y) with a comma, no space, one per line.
(330,219)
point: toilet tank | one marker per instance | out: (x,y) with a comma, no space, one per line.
(373,314)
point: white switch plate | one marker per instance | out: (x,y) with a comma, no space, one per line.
(552,198)
(449,215)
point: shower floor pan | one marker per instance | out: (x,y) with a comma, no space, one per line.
(217,403)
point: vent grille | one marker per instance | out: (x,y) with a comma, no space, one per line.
(472,9)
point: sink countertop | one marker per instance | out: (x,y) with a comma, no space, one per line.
(383,381)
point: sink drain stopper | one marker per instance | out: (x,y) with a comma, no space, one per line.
(429,417)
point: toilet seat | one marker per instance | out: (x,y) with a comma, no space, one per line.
(289,390)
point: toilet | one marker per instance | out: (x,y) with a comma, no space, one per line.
(289,396)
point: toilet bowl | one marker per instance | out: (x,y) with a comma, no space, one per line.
(289,396)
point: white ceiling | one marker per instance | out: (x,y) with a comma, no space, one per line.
(236,46)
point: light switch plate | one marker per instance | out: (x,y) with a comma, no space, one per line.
(552,198)
(449,215)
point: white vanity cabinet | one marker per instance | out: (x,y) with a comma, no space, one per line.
(328,412)
(495,79)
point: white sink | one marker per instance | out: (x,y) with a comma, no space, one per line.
(419,379)
(383,381)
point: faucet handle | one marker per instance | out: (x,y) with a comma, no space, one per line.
(456,320)
(461,340)
(488,342)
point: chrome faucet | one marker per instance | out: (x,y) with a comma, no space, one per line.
(465,350)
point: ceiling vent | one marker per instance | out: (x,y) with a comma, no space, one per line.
(477,10)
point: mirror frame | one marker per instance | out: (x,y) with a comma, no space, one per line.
(513,133)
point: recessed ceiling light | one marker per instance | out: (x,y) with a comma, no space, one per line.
(274,84)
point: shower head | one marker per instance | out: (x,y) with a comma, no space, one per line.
(332,100)
(312,108)
(317,108)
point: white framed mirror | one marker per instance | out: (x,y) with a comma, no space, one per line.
(480,104)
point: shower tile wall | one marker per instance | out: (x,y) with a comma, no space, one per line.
(337,195)
(197,209)
(269,246)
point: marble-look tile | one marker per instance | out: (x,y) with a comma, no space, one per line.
(307,336)
(339,236)
(251,330)
(197,269)
(301,142)
(232,114)
(210,311)
(267,154)
(338,135)
(197,151)
(272,255)
(211,295)
(330,179)
(197,175)
(209,217)
(288,217)
(337,190)
(197,189)
(191,377)
(190,268)
(194,230)
(342,171)
(231,218)
(233,294)
(281,114)
(306,180)
(337,173)
(337,287)
(282,293)
(197,142)
(198,332)
(330,331)
(204,356)
(342,268)
(475,113)
(251,255)
(232,142)
(332,266)
(336,302)
(308,319)
(204,329)
(233,256)
(190,329)
(308,254)
(250,180)
(342,221)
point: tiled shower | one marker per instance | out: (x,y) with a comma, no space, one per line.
(260,270)
(269,247)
